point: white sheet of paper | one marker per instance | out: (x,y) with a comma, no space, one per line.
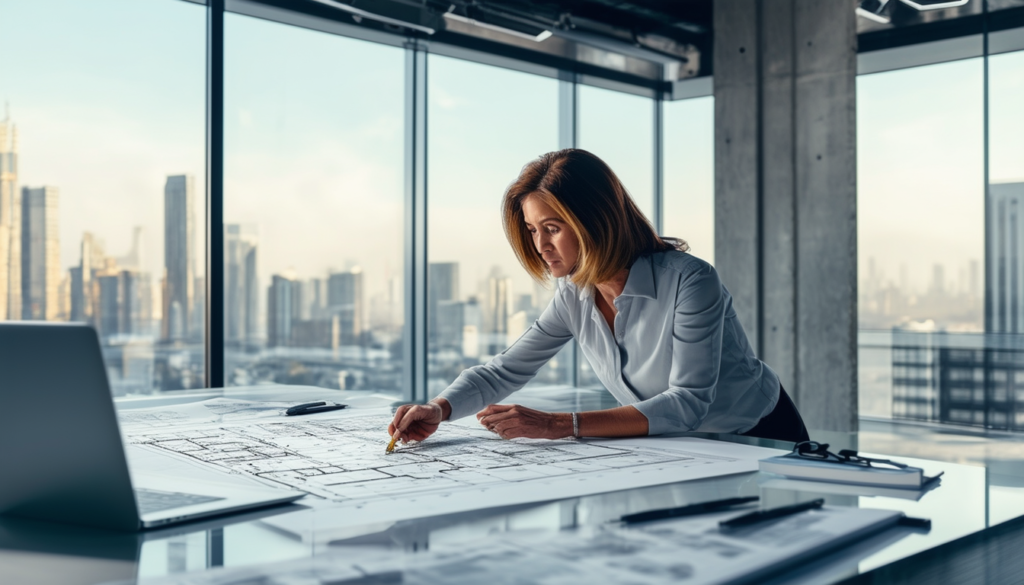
(339,458)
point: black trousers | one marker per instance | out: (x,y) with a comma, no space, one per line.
(783,423)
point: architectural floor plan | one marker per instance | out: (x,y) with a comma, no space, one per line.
(344,459)
(338,459)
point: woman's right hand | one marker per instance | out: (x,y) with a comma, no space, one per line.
(415,422)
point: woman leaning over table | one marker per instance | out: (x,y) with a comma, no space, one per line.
(655,323)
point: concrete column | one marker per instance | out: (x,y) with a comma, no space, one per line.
(785,192)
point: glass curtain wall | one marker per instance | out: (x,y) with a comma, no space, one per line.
(102,180)
(313,208)
(941,253)
(688,208)
(619,128)
(484,124)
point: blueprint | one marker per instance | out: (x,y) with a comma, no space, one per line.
(344,459)
(215,410)
(339,459)
(692,551)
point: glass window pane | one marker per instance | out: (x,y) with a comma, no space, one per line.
(102,163)
(689,205)
(313,208)
(485,123)
(619,128)
(921,214)
(921,240)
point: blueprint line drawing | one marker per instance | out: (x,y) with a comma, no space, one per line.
(343,459)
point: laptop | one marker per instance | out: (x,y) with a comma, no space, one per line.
(61,453)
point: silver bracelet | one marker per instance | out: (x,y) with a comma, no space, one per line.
(575,426)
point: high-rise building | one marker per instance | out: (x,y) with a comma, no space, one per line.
(179,256)
(280,311)
(1004,243)
(109,298)
(10,223)
(40,254)
(345,301)
(241,286)
(497,311)
(442,287)
(82,297)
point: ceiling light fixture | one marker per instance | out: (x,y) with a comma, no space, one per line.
(519,34)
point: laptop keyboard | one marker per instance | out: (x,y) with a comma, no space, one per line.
(155,501)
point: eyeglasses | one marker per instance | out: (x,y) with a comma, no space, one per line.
(819,452)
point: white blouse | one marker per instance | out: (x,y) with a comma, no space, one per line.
(678,354)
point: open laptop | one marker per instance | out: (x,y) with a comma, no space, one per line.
(61,454)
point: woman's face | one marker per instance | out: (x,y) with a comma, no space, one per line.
(552,237)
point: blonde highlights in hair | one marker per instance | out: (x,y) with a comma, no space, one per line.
(611,230)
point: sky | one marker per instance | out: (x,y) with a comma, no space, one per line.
(920,163)
(314,138)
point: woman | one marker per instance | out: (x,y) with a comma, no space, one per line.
(655,323)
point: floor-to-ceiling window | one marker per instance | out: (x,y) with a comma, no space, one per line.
(688,207)
(102,183)
(313,208)
(484,124)
(619,128)
(941,252)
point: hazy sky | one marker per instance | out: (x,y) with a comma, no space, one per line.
(107,106)
(920,165)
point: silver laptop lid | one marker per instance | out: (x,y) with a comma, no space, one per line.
(60,444)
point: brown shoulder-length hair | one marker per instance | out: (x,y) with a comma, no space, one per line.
(583,190)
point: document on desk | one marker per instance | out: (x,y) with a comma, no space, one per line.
(692,551)
(339,458)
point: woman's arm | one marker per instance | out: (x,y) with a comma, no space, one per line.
(510,421)
(510,370)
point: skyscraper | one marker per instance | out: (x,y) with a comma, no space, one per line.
(345,301)
(280,311)
(82,298)
(497,311)
(442,287)
(10,223)
(1004,243)
(40,254)
(179,256)
(241,287)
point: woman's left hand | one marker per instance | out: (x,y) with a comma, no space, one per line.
(510,421)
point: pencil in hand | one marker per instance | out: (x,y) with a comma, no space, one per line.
(391,445)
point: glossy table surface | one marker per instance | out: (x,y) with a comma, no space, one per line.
(971,498)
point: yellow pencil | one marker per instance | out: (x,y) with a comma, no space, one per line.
(391,445)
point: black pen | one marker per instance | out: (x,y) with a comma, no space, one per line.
(763,515)
(313,408)
(690,510)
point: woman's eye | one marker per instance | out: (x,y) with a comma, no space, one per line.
(552,231)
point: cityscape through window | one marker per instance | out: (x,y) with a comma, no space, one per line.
(102,181)
(480,299)
(313,233)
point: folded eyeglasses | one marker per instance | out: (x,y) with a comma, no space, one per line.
(819,452)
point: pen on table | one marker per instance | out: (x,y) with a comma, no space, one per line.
(764,515)
(690,510)
(391,445)
(313,408)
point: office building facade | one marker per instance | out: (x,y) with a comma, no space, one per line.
(346,302)
(40,253)
(241,285)
(1004,244)
(10,223)
(971,379)
(179,257)
(442,288)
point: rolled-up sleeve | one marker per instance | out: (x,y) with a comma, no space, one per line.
(696,356)
(510,370)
